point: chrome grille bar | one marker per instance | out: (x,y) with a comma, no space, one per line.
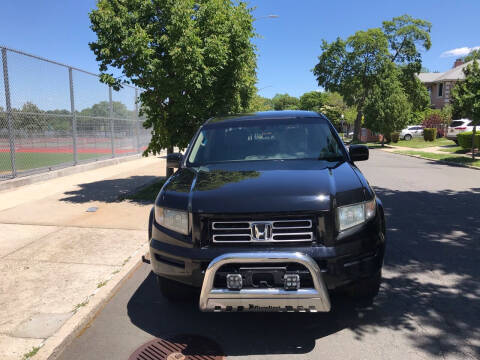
(285,230)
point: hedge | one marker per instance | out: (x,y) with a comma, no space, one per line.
(429,134)
(394,136)
(465,139)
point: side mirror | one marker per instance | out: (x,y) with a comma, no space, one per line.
(174,160)
(358,152)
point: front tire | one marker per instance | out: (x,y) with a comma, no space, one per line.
(407,137)
(365,290)
(173,290)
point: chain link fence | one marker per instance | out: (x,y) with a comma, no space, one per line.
(53,115)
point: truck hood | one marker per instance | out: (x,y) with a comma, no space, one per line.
(264,187)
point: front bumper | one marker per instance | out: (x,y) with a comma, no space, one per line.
(264,299)
(359,255)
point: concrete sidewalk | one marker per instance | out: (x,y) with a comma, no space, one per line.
(54,255)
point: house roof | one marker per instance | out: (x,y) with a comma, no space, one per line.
(428,77)
(452,74)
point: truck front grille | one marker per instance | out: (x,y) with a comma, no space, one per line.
(290,230)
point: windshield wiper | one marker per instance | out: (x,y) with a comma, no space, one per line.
(331,158)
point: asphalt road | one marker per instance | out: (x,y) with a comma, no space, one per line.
(428,308)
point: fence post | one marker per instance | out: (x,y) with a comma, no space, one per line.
(110,114)
(137,121)
(74,118)
(11,130)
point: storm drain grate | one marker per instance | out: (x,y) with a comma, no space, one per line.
(179,347)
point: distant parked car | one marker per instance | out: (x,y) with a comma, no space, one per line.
(411,132)
(458,126)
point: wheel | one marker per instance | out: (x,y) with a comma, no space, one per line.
(173,290)
(407,137)
(365,290)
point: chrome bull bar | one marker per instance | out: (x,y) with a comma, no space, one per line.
(268,299)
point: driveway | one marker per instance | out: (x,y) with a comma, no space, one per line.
(428,307)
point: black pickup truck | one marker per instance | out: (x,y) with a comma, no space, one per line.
(267,212)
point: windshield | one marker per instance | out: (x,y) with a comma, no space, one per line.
(456,123)
(273,140)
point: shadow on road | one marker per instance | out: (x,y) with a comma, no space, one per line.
(430,293)
(108,191)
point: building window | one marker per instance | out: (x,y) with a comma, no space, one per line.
(440,90)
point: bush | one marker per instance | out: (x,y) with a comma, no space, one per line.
(429,134)
(437,121)
(465,139)
(395,136)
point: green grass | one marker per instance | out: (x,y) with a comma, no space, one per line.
(454,150)
(419,143)
(447,157)
(27,161)
(31,353)
(101,284)
(146,194)
(78,306)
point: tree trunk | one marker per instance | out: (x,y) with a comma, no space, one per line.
(473,141)
(169,171)
(357,126)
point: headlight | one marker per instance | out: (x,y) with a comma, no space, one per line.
(352,215)
(172,219)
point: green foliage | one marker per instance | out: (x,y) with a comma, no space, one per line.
(465,140)
(429,134)
(395,136)
(466,94)
(260,103)
(102,109)
(353,67)
(387,108)
(312,101)
(193,58)
(285,102)
(474,54)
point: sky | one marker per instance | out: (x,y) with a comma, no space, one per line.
(288,45)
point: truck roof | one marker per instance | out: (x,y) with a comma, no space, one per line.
(264,115)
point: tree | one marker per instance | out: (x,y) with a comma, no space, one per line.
(474,54)
(466,97)
(312,101)
(193,58)
(406,35)
(387,108)
(260,103)
(285,102)
(352,67)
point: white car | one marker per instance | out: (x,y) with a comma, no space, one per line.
(411,132)
(458,126)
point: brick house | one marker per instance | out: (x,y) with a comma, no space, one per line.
(440,84)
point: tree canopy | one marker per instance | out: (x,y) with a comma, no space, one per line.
(285,102)
(354,67)
(474,54)
(466,96)
(312,101)
(193,58)
(387,108)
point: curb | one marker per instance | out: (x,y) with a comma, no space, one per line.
(73,327)
(69,170)
(438,161)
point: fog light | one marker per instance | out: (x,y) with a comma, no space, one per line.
(291,281)
(234,281)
